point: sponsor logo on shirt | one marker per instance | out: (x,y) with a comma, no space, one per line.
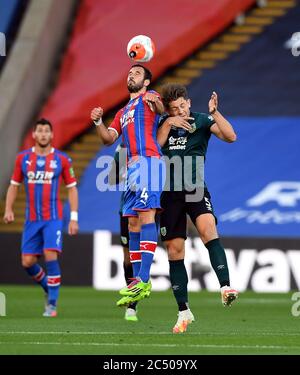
(127,118)
(177,143)
(40,177)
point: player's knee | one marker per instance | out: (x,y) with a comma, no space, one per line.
(208,233)
(50,255)
(27,262)
(175,250)
(134,224)
(134,227)
(147,217)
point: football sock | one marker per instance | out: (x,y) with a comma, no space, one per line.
(134,251)
(179,282)
(54,277)
(218,261)
(148,245)
(128,273)
(38,275)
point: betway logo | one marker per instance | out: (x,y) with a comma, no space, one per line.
(263,269)
(283,194)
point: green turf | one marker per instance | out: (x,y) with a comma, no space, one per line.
(89,323)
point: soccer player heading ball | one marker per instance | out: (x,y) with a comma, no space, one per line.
(137,121)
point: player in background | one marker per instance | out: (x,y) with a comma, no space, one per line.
(117,174)
(184,133)
(137,121)
(42,168)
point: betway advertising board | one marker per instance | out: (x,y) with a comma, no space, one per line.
(263,265)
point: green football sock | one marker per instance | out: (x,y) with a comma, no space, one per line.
(179,281)
(218,261)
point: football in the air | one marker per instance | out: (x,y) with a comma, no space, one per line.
(141,48)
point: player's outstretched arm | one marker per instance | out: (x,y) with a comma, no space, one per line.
(73,200)
(222,127)
(164,129)
(154,103)
(107,136)
(11,196)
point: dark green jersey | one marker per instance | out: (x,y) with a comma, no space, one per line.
(191,143)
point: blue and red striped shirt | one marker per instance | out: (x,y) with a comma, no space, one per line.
(42,177)
(138,125)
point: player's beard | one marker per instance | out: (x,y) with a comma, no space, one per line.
(43,145)
(134,87)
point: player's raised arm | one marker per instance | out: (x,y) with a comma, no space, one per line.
(154,102)
(107,135)
(222,127)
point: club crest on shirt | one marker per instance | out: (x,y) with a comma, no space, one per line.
(40,162)
(53,164)
(193,128)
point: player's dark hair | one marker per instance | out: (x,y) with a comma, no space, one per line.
(173,91)
(147,73)
(42,121)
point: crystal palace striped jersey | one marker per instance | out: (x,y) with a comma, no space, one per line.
(42,177)
(138,125)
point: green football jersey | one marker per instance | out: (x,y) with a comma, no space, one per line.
(191,144)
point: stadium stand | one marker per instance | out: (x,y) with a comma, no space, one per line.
(24,79)
(11,13)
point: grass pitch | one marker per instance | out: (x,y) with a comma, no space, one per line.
(90,323)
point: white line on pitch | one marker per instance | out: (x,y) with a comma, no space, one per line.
(240,333)
(278,347)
